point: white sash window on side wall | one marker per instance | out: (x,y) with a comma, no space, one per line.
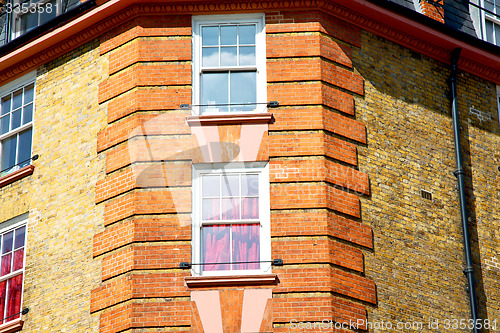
(229,64)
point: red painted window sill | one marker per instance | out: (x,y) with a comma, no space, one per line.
(16,175)
(228,281)
(230,118)
(12,326)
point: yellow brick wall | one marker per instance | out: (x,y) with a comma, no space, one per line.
(60,271)
(418,258)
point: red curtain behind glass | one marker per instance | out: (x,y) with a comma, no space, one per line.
(246,245)
(216,247)
(11,289)
(245,237)
(6,260)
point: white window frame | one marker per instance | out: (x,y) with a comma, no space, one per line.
(21,8)
(7,89)
(262,168)
(260,56)
(498,102)
(418,8)
(5,227)
(488,17)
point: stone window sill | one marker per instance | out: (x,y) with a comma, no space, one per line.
(229,119)
(12,326)
(229,281)
(16,175)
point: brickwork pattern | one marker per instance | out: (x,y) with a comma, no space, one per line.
(60,270)
(148,227)
(418,259)
(313,173)
(331,79)
(315,183)
(434,11)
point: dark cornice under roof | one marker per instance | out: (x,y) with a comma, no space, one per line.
(448,29)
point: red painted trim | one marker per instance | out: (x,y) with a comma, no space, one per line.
(229,119)
(227,281)
(61,34)
(12,326)
(16,175)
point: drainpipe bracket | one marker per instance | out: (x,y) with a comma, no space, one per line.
(468,270)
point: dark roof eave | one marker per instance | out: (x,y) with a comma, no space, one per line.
(44,28)
(436,25)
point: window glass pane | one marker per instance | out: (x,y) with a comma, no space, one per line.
(5,123)
(19,237)
(6,261)
(28,93)
(214,90)
(18,99)
(210,36)
(15,286)
(249,208)
(210,57)
(5,105)
(489,31)
(24,153)
(228,56)
(28,22)
(9,153)
(49,12)
(16,119)
(247,34)
(7,241)
(210,186)
(18,260)
(215,247)
(210,209)
(27,113)
(3,37)
(230,209)
(249,185)
(489,5)
(230,185)
(228,35)
(247,55)
(497,34)
(246,245)
(243,90)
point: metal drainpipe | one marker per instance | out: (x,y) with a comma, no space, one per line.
(459,173)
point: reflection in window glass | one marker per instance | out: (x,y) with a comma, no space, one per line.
(228,56)
(243,90)
(36,14)
(9,153)
(24,151)
(15,128)
(225,87)
(210,36)
(214,90)
(491,26)
(49,12)
(247,34)
(229,35)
